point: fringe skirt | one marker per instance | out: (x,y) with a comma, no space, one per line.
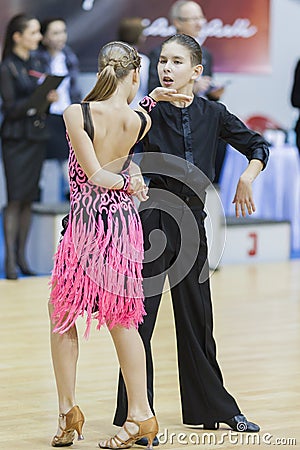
(98,266)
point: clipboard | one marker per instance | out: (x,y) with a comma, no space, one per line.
(37,102)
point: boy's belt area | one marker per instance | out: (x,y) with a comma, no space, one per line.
(192,200)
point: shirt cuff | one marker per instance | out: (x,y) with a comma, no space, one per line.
(261,153)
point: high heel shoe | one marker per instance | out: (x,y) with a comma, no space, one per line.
(74,422)
(146,428)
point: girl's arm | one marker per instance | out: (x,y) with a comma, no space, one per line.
(138,186)
(161,94)
(85,153)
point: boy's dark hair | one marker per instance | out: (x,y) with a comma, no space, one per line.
(190,43)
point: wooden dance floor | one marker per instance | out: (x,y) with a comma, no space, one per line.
(257,331)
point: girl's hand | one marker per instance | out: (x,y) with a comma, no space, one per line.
(138,188)
(161,94)
(243,197)
(134,169)
(142,195)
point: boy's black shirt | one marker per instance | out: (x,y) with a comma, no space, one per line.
(192,134)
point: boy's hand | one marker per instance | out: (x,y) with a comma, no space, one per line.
(243,198)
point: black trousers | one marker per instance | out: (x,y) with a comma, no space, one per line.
(203,395)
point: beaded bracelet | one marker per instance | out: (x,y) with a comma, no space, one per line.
(126,178)
(148,103)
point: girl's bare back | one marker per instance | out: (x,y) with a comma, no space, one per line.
(116,130)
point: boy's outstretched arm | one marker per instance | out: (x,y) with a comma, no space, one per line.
(243,198)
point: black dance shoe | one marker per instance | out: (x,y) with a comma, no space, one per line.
(144,442)
(237,423)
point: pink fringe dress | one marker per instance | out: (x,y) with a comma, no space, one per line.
(98,263)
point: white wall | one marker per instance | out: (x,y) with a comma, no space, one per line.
(267,94)
(270,94)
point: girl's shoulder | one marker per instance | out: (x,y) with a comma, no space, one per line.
(73,108)
(73,112)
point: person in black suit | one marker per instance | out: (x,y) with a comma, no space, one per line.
(295,100)
(184,139)
(23,136)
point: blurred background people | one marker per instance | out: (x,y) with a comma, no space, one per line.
(59,59)
(295,99)
(23,135)
(131,31)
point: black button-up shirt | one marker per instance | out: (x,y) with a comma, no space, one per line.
(192,134)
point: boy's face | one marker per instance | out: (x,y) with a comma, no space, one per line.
(174,67)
